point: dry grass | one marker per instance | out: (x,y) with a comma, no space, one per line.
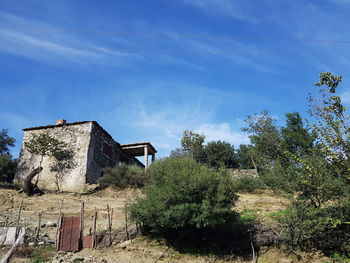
(142,249)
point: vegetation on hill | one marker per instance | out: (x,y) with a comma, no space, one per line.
(308,160)
(191,194)
(310,164)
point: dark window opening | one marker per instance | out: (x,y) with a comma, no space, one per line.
(107,149)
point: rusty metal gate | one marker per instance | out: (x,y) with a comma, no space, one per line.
(70,233)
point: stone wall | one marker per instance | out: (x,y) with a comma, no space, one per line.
(72,179)
(243,172)
(103,152)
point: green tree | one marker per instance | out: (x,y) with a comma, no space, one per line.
(5,142)
(218,154)
(297,139)
(244,157)
(332,123)
(7,168)
(192,142)
(179,152)
(319,216)
(42,145)
(184,194)
(7,164)
(266,139)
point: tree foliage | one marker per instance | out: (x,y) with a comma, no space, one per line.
(270,142)
(43,144)
(311,164)
(265,138)
(296,138)
(332,124)
(179,152)
(217,154)
(5,142)
(7,168)
(7,164)
(244,157)
(192,142)
(320,214)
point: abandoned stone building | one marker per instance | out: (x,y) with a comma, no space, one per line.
(92,148)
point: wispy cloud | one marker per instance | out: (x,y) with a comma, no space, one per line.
(246,55)
(160,115)
(313,21)
(52,45)
(165,128)
(234,9)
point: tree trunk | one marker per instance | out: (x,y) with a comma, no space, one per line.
(28,187)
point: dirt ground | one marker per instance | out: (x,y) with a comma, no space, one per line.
(140,249)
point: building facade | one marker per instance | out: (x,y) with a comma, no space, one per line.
(91,149)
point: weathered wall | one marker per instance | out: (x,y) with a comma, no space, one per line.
(103,152)
(72,179)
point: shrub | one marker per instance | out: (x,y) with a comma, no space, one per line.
(123,176)
(248,184)
(183,194)
(326,229)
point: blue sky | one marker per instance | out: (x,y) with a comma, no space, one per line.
(147,70)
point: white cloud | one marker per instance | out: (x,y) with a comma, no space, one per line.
(222,132)
(345,97)
(164,127)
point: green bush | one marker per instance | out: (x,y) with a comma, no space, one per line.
(183,194)
(326,229)
(248,184)
(123,176)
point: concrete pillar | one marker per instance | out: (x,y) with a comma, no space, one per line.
(153,157)
(146,157)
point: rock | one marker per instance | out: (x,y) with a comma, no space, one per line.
(285,260)
(49,224)
(90,188)
(124,244)
(78,259)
